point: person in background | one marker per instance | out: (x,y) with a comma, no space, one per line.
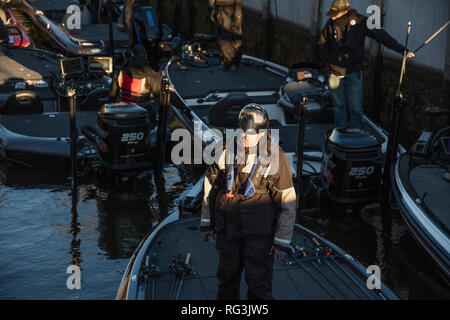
(227,15)
(136,82)
(342,47)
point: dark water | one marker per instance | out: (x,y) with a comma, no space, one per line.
(41,236)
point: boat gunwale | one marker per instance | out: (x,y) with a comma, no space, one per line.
(415,216)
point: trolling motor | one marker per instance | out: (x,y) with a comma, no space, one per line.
(147,31)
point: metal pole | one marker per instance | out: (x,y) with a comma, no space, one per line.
(396,117)
(73,133)
(316,24)
(301,141)
(166,90)
(375,68)
(267,20)
(111,32)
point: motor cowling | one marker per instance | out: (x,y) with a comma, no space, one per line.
(351,166)
(124,146)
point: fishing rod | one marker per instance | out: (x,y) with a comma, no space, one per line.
(396,117)
(405,52)
(186,270)
(164,105)
(295,252)
(179,269)
(302,107)
(325,252)
(432,37)
(110,29)
(151,272)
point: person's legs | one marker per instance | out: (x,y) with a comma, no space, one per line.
(258,266)
(339,102)
(227,50)
(236,60)
(354,94)
(230,268)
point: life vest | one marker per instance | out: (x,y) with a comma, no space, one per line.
(132,90)
(245,210)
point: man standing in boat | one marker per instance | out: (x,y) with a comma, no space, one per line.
(136,82)
(250,206)
(227,15)
(342,47)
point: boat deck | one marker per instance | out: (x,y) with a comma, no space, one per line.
(434,191)
(323,278)
(46,125)
(27,64)
(423,198)
(194,82)
(200,88)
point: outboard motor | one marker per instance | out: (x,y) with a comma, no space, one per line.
(351,167)
(123,143)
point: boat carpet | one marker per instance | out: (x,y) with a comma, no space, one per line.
(314,133)
(429,180)
(26,65)
(325,279)
(195,82)
(47,125)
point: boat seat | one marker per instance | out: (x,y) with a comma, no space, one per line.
(434,111)
(22,102)
(224,114)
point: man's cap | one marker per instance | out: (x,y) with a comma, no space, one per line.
(337,7)
(139,56)
(139,51)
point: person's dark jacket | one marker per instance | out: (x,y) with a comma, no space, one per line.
(269,212)
(342,42)
(153,79)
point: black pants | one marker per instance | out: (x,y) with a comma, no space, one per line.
(251,255)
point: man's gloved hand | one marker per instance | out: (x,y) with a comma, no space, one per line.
(410,54)
(278,252)
(207,235)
